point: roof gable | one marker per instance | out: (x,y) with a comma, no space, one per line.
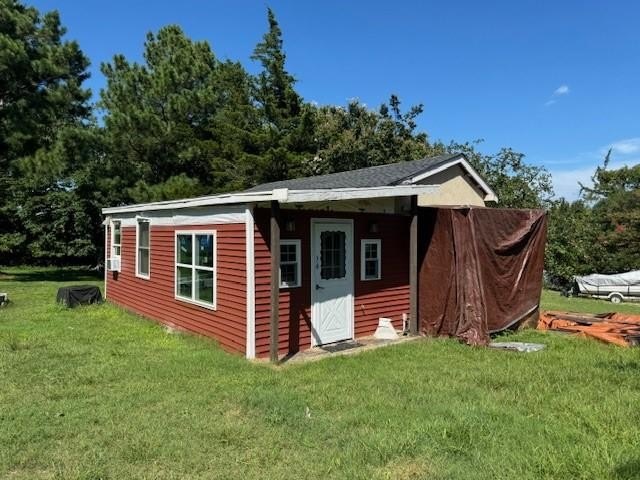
(401,173)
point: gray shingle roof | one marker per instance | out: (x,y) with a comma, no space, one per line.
(378,176)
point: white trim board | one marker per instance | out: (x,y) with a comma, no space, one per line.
(320,195)
(281,195)
(185,217)
(224,199)
(106,224)
(250,351)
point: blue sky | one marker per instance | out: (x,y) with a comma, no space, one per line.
(556,80)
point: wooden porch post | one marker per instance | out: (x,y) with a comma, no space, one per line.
(275,279)
(413,267)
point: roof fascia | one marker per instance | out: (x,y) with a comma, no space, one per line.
(320,195)
(281,195)
(225,199)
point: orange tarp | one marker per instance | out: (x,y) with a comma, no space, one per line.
(617,328)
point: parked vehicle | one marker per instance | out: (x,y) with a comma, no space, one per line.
(615,288)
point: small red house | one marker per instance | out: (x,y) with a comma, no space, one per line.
(284,266)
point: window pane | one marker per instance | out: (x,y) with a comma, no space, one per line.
(204,285)
(288,253)
(204,247)
(184,282)
(371,269)
(143,234)
(143,261)
(116,250)
(371,250)
(332,255)
(289,274)
(184,249)
(116,233)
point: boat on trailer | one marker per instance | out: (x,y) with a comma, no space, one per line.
(615,288)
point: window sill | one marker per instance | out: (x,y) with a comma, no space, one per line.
(143,277)
(370,279)
(208,306)
(287,287)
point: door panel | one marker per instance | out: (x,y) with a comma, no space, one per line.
(332,281)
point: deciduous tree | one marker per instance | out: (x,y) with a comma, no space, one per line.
(615,197)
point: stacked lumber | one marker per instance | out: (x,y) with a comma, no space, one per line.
(617,328)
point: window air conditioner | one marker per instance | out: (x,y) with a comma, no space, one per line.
(113,264)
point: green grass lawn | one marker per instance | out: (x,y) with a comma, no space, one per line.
(96,393)
(554,301)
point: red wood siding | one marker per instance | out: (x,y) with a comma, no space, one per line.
(155,298)
(387,297)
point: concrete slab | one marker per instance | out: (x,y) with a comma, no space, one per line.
(348,347)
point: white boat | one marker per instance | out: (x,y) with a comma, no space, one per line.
(616,288)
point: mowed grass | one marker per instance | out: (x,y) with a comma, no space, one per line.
(552,300)
(97,393)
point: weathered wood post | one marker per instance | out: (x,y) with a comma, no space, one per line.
(413,267)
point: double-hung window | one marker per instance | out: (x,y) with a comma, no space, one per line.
(116,239)
(289,263)
(370,259)
(196,267)
(143,247)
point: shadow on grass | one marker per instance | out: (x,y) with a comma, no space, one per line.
(628,470)
(622,366)
(51,275)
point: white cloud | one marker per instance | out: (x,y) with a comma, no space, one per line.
(558,92)
(567,173)
(628,146)
(566,182)
(561,90)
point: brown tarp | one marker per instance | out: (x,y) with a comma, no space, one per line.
(480,270)
(617,328)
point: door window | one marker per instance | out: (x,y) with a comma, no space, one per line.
(332,255)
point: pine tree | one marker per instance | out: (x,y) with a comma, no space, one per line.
(275,90)
(41,101)
(287,124)
(179,124)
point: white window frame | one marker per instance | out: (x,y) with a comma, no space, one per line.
(113,235)
(363,272)
(140,220)
(297,244)
(194,267)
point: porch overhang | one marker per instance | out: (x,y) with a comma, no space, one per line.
(281,195)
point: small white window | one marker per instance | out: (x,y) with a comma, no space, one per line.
(143,248)
(289,263)
(116,239)
(370,264)
(196,267)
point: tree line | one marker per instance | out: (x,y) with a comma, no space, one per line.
(184,122)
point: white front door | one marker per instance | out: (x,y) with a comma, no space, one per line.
(331,280)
